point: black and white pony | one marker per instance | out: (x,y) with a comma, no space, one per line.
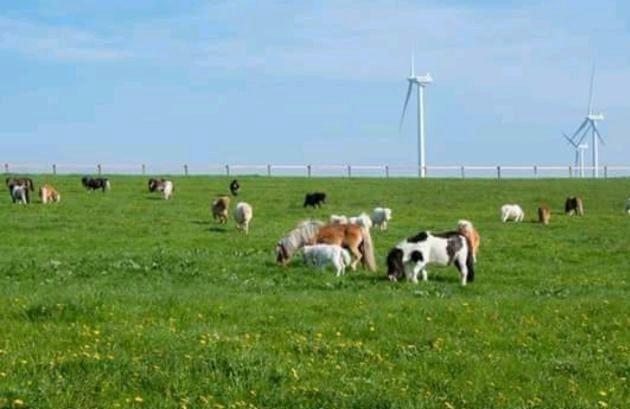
(91,183)
(411,256)
(235,187)
(154,184)
(26,183)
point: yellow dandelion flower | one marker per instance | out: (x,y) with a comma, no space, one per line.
(603,393)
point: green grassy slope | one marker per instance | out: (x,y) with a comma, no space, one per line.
(124,300)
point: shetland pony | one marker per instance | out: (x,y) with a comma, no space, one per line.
(323,254)
(512,212)
(166,187)
(19,194)
(154,184)
(220,209)
(573,205)
(381,216)
(314,199)
(337,219)
(235,187)
(355,238)
(544,215)
(466,228)
(26,182)
(91,183)
(628,206)
(243,215)
(411,256)
(48,194)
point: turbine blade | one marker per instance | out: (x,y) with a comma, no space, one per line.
(584,123)
(402,116)
(569,139)
(584,134)
(590,93)
(598,134)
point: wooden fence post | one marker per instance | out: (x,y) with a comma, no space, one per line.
(605,171)
(387,171)
(499,171)
(144,169)
(6,168)
(99,169)
(54,168)
(535,171)
(570,171)
(308,170)
(462,171)
(185,170)
(227,170)
(269,170)
(349,171)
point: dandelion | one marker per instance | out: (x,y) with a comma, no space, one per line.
(603,393)
(138,399)
(18,403)
(602,403)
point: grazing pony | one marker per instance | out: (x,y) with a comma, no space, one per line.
(355,238)
(166,188)
(380,217)
(337,219)
(314,199)
(321,255)
(628,206)
(19,194)
(573,205)
(220,209)
(512,212)
(362,220)
(91,183)
(243,215)
(26,182)
(154,184)
(466,229)
(235,187)
(544,215)
(411,256)
(48,194)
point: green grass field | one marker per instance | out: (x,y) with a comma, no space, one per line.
(125,300)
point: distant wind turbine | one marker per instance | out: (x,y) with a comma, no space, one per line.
(589,125)
(579,154)
(420,82)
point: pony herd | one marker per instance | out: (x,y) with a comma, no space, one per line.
(572,206)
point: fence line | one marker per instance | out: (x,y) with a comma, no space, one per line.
(314,170)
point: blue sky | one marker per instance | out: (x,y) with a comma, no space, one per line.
(308,82)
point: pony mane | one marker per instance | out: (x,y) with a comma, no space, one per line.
(303,234)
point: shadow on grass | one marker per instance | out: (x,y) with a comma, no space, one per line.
(217,229)
(201,222)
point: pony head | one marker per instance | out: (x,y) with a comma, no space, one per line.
(282,256)
(395,266)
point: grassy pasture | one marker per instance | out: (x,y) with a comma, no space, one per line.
(125,300)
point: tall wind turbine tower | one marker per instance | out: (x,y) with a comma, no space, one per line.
(420,82)
(589,125)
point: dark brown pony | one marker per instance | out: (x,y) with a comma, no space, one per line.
(26,182)
(355,238)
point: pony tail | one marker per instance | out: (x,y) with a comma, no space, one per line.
(470,262)
(367,250)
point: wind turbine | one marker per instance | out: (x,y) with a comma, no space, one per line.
(589,125)
(420,82)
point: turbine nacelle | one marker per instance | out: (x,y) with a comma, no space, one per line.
(421,80)
(595,117)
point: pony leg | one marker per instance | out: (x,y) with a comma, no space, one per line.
(463,269)
(356,256)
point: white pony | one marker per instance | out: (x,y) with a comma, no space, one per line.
(166,188)
(321,255)
(512,212)
(338,219)
(628,206)
(19,194)
(380,217)
(362,220)
(243,215)
(412,255)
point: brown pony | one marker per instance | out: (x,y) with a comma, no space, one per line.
(355,238)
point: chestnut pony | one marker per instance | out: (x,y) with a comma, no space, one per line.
(353,237)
